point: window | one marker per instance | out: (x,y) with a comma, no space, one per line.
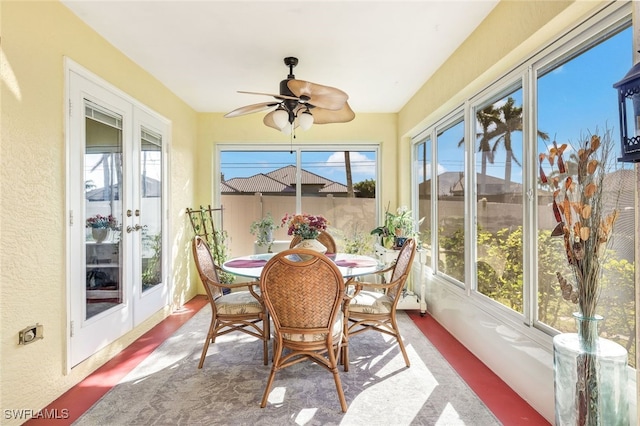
(445,230)
(573,104)
(422,172)
(339,184)
(498,198)
(507,231)
(450,185)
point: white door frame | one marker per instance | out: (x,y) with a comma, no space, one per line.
(136,306)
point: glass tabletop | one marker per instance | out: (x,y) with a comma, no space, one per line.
(350,265)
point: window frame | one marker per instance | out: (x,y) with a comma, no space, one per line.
(606,22)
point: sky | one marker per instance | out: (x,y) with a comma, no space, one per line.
(574,100)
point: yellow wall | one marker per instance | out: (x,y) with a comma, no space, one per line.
(36,36)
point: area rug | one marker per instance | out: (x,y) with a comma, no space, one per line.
(168,388)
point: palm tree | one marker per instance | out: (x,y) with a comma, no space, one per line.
(487,117)
(347,165)
(510,122)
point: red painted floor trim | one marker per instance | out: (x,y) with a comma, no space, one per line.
(503,402)
(506,405)
(81,397)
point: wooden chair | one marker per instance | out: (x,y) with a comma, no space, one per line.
(323,237)
(242,309)
(304,299)
(374,308)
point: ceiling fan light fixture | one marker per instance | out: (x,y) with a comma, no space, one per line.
(305,120)
(287,129)
(281,117)
(294,102)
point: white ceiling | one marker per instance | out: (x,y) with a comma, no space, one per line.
(379,52)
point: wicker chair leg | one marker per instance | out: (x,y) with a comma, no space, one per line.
(336,378)
(267,389)
(205,348)
(399,339)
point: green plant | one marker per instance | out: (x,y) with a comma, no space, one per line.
(357,242)
(152,273)
(263,230)
(399,224)
(203,224)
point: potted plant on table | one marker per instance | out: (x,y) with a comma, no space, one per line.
(263,230)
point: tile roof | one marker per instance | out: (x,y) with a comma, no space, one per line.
(282,180)
(257,183)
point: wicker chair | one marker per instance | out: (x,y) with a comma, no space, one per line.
(323,237)
(374,308)
(241,310)
(304,299)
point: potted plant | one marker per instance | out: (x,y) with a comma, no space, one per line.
(263,230)
(397,227)
(307,227)
(101,225)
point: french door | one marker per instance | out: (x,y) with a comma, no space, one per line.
(117,225)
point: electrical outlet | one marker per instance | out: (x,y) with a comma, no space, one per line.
(30,334)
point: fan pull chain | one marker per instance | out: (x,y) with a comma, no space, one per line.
(292,136)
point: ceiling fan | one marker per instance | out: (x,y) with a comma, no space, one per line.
(300,103)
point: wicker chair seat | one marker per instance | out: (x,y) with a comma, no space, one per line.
(371,302)
(336,331)
(237,303)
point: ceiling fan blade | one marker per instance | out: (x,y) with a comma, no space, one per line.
(269,94)
(326,116)
(318,95)
(268,121)
(251,109)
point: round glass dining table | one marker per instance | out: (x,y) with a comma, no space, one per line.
(350,265)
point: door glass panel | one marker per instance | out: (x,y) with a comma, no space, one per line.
(151,208)
(103,209)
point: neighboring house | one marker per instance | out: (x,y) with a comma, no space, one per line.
(151,188)
(283,182)
(490,188)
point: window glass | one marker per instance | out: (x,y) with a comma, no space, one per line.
(339,185)
(423,172)
(576,99)
(498,196)
(151,206)
(450,186)
(103,209)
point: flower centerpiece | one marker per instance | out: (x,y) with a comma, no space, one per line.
(585,226)
(100,226)
(304,225)
(102,222)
